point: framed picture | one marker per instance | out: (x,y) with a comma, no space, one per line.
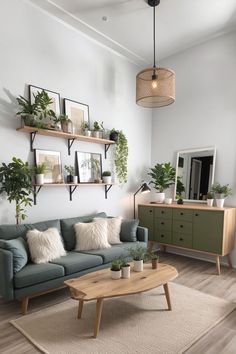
(52,160)
(77,112)
(55,105)
(89,167)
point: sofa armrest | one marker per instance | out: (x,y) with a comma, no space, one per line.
(6,274)
(142,234)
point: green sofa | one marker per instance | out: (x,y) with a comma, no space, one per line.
(36,279)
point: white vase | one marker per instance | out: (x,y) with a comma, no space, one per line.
(106,179)
(220,203)
(126,272)
(210,202)
(96,133)
(87,132)
(160,197)
(75,179)
(138,266)
(115,274)
(40,178)
(168,200)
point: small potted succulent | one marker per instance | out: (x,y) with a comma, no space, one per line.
(66,123)
(125,269)
(106,177)
(138,254)
(153,256)
(163,176)
(39,173)
(96,130)
(85,129)
(116,269)
(71,178)
(221,192)
(210,199)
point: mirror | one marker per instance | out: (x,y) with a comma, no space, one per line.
(195,169)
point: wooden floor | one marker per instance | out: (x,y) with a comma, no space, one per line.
(192,273)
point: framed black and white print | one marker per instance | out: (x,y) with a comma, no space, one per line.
(89,167)
(52,160)
(77,112)
(55,105)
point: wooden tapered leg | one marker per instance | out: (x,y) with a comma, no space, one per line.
(218,265)
(229,261)
(80,309)
(24,305)
(98,317)
(167,294)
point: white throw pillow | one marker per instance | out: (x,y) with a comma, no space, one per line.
(91,236)
(113,229)
(44,246)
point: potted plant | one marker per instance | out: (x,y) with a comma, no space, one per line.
(66,123)
(179,190)
(221,192)
(28,111)
(114,134)
(120,154)
(39,173)
(15,181)
(70,173)
(163,176)
(106,177)
(125,269)
(210,199)
(116,269)
(96,130)
(153,256)
(85,129)
(138,254)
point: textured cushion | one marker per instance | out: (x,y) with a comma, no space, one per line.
(37,273)
(113,230)
(110,254)
(75,262)
(91,236)
(19,249)
(44,246)
(67,227)
(128,232)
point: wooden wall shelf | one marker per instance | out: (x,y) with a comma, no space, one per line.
(69,137)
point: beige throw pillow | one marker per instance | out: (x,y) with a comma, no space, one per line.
(45,246)
(91,236)
(113,229)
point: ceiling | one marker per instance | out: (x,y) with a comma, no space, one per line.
(180,24)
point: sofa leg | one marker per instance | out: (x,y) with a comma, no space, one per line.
(24,305)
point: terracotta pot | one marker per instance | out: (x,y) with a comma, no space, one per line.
(154,263)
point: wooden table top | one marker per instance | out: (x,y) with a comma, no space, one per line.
(99,284)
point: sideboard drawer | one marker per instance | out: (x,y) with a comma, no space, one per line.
(163,213)
(163,236)
(162,224)
(183,240)
(183,214)
(182,226)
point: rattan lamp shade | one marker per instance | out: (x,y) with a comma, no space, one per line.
(155,93)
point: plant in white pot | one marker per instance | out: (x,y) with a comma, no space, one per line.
(106,177)
(125,269)
(85,129)
(163,176)
(116,269)
(138,254)
(40,170)
(210,199)
(71,177)
(96,130)
(221,192)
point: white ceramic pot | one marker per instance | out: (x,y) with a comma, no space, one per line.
(210,202)
(106,179)
(126,272)
(40,178)
(96,133)
(220,203)
(115,274)
(168,200)
(160,197)
(138,266)
(87,133)
(75,179)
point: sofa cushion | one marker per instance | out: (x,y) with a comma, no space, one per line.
(19,249)
(67,228)
(75,262)
(128,232)
(37,273)
(109,254)
(9,232)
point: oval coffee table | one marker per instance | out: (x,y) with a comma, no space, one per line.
(99,286)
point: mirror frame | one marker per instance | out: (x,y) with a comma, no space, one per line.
(193,151)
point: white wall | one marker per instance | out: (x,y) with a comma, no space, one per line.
(204,113)
(36,49)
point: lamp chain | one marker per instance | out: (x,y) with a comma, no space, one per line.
(154,36)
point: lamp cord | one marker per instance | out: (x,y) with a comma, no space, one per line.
(154,36)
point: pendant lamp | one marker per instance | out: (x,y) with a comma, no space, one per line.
(155,86)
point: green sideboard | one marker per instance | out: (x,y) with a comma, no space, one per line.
(193,227)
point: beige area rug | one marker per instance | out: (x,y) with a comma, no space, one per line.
(137,324)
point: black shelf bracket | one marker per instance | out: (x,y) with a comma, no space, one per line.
(70,142)
(72,189)
(32,137)
(107,146)
(36,192)
(107,188)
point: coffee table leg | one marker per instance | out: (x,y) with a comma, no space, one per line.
(98,317)
(167,294)
(81,303)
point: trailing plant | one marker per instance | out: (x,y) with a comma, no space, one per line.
(70,170)
(224,190)
(163,176)
(15,181)
(116,264)
(121,156)
(40,169)
(138,253)
(106,174)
